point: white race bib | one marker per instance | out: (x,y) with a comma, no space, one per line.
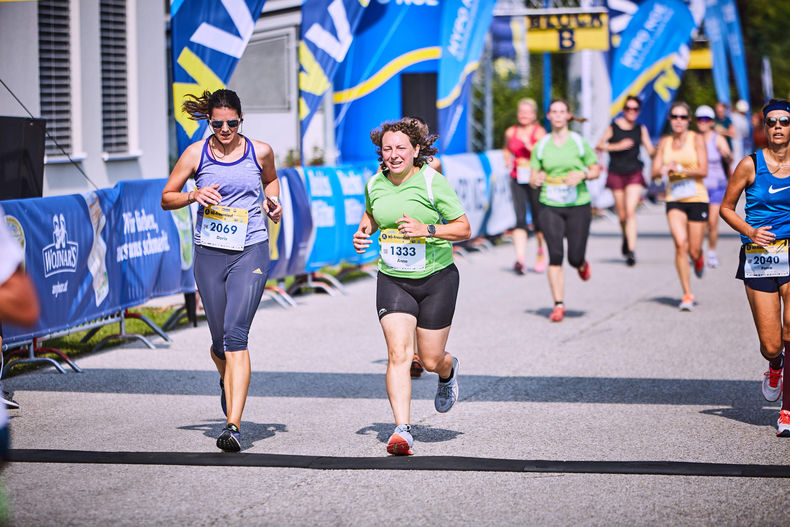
(681,189)
(768,261)
(523,174)
(224,227)
(561,193)
(401,253)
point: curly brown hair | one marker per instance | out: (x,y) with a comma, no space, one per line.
(200,107)
(418,134)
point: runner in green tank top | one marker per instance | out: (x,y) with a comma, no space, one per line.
(417,282)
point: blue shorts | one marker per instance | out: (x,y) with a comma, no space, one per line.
(768,284)
(231,285)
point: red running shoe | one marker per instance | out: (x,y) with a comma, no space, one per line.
(557,314)
(699,266)
(584,271)
(416,367)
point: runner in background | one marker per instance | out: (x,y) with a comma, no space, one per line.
(417,283)
(763,263)
(625,179)
(682,161)
(237,187)
(520,139)
(723,124)
(719,157)
(561,162)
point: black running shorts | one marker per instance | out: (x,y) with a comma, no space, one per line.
(431,300)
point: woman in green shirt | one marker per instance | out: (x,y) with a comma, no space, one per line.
(561,162)
(417,282)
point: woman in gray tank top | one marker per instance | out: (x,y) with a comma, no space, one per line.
(231,238)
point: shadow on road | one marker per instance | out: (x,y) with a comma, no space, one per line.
(544,312)
(422,434)
(251,432)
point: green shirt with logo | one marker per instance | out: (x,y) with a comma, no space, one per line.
(428,198)
(556,161)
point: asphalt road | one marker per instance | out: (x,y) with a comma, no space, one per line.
(628,412)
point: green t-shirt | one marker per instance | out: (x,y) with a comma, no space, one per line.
(415,258)
(556,161)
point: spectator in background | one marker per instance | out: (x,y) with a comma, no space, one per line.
(723,124)
(741,144)
(759,137)
(18,303)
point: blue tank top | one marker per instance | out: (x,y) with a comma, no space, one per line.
(240,187)
(768,201)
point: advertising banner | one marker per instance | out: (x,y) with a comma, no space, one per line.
(501,215)
(392,39)
(469,180)
(327,32)
(289,240)
(91,255)
(207,40)
(463,31)
(651,59)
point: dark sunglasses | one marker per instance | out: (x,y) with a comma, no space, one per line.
(783,121)
(632,108)
(232,123)
(676,116)
(704,119)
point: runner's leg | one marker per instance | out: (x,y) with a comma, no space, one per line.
(678,226)
(633,195)
(400,335)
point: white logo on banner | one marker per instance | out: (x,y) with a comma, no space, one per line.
(61,255)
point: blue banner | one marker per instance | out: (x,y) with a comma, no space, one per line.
(652,59)
(732,23)
(327,33)
(713,29)
(464,27)
(91,255)
(289,240)
(207,39)
(392,39)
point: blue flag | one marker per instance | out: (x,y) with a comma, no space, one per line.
(732,23)
(464,27)
(327,33)
(714,26)
(208,37)
(651,59)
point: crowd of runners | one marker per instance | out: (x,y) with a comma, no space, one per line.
(417,216)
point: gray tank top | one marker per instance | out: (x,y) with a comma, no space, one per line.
(716,176)
(240,187)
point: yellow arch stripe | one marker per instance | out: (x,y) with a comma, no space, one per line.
(444,102)
(386,73)
(640,83)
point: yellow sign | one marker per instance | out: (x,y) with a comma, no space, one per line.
(567,32)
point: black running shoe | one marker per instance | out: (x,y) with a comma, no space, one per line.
(222,401)
(630,259)
(230,439)
(624,247)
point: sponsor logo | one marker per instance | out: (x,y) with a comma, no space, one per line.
(382,311)
(257,271)
(60,256)
(18,232)
(772,190)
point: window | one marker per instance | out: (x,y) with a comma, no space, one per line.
(112,27)
(261,78)
(54,52)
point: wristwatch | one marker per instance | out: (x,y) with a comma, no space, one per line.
(431,231)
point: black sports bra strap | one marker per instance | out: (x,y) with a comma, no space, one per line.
(753,155)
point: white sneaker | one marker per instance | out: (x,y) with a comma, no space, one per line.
(713,262)
(447,392)
(401,441)
(772,384)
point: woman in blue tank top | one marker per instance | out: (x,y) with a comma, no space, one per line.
(231,238)
(763,264)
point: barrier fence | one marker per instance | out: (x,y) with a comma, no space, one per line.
(92,256)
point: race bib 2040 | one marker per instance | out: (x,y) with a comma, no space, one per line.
(401,253)
(768,261)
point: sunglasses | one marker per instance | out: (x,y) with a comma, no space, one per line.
(783,121)
(232,123)
(631,108)
(674,116)
(704,119)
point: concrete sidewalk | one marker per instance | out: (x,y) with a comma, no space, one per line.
(626,379)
